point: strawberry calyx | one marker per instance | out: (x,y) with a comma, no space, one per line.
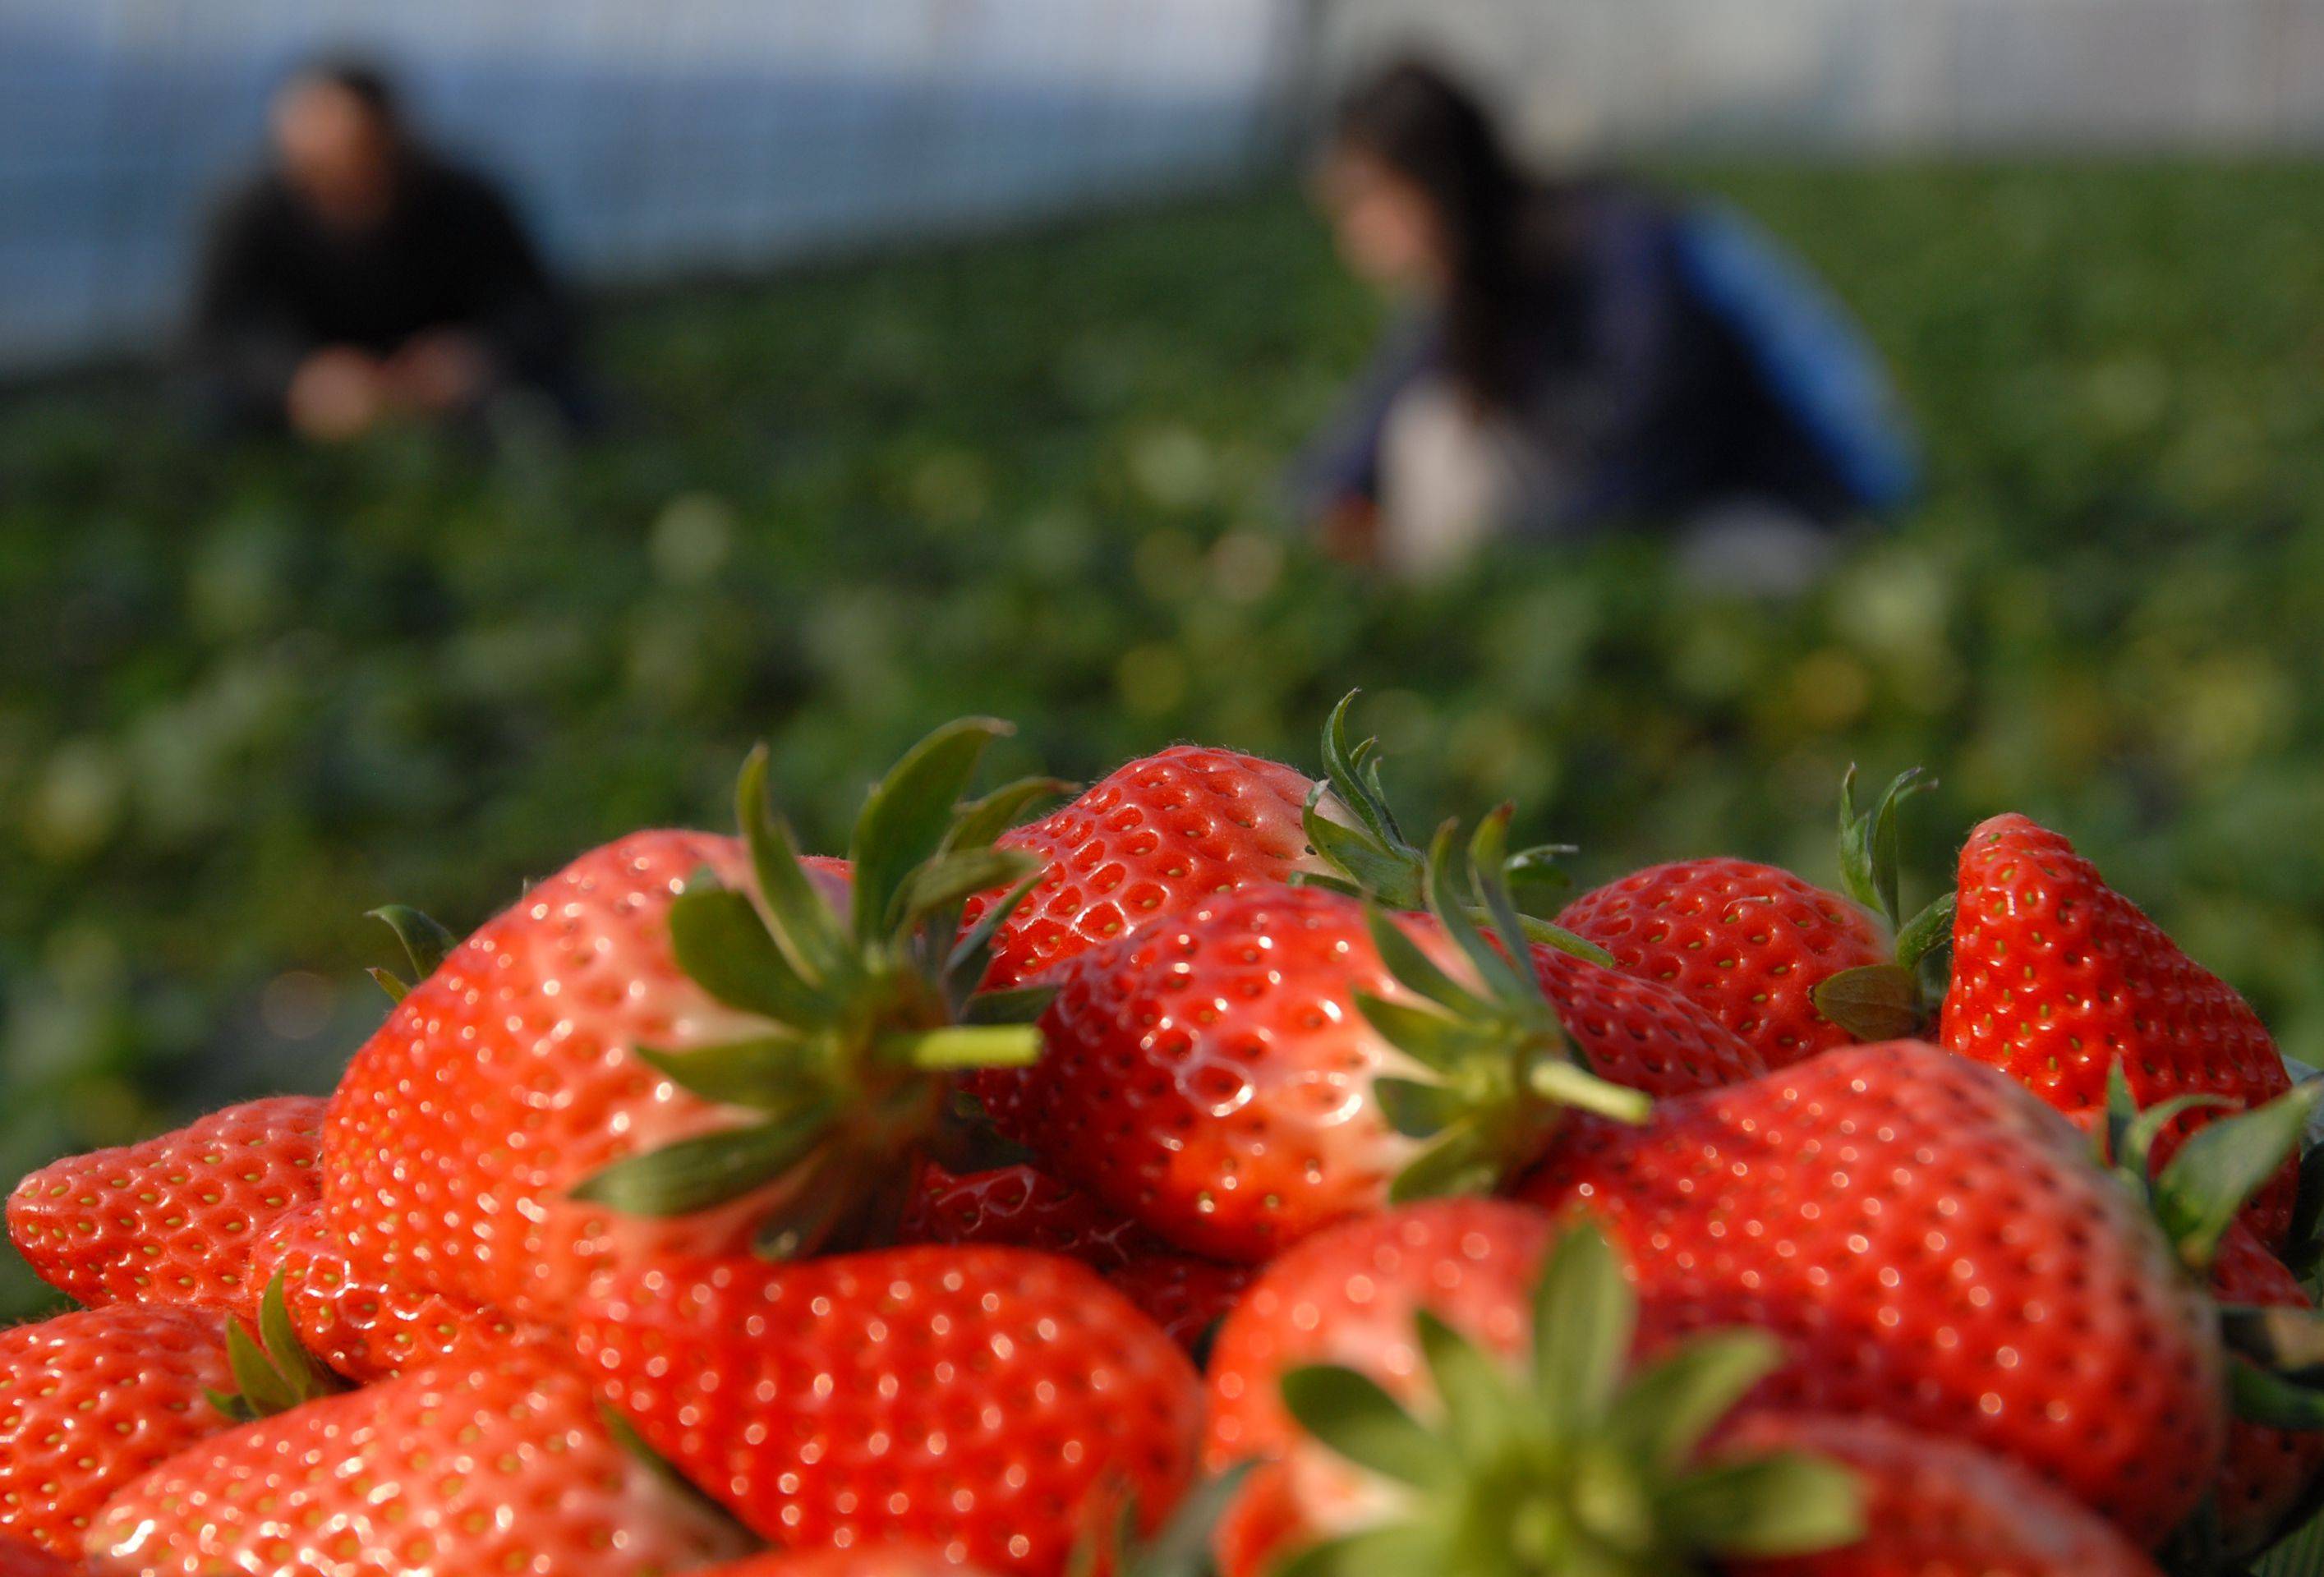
(1570,1460)
(272,1371)
(426,942)
(1180,1547)
(870,1004)
(1894,1000)
(1495,1073)
(1352,826)
(2276,1354)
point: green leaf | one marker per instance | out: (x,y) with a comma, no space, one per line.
(1867,842)
(306,1379)
(396,988)
(802,922)
(1415,971)
(2215,1172)
(1017,1005)
(263,1391)
(1926,933)
(908,814)
(1436,1040)
(1458,1162)
(1345,770)
(982,821)
(775,1073)
(1671,1405)
(1565,1083)
(2258,1396)
(1787,1503)
(955,876)
(1397,1550)
(425,941)
(1447,903)
(1352,1415)
(1565,941)
(1584,1315)
(2285,1340)
(1488,852)
(697,1174)
(1182,1548)
(1417,1110)
(726,949)
(1392,877)
(1481,1407)
(1874,1001)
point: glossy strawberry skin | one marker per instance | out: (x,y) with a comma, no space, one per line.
(417,1476)
(1209,1077)
(1935,1507)
(1745,942)
(874,1561)
(171,1220)
(352,1316)
(1152,838)
(2268,1472)
(1021,1207)
(974,1401)
(1640,1033)
(2056,977)
(509,1075)
(90,1400)
(1348,1296)
(1934,1247)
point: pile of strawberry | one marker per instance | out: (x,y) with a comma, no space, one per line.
(1201,1174)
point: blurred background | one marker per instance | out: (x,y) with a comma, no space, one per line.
(945,355)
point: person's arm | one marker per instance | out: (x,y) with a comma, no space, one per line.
(247,345)
(1339,468)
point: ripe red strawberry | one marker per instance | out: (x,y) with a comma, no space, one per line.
(171,1220)
(1021,1207)
(1439,1389)
(611,1071)
(2057,978)
(91,1400)
(1150,839)
(1934,1247)
(503,1465)
(1282,1059)
(872,1561)
(1748,944)
(1935,1507)
(2268,1472)
(18,1559)
(352,1316)
(1639,1033)
(974,1399)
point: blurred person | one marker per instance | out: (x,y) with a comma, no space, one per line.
(1580,355)
(363,277)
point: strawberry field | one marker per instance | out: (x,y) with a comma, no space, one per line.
(245,696)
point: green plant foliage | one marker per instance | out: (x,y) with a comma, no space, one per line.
(247,696)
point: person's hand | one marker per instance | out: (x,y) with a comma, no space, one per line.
(336,394)
(1350,532)
(440,371)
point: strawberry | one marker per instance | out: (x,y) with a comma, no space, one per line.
(1152,838)
(974,1400)
(1790,968)
(1439,1389)
(862,1561)
(1932,1246)
(677,1043)
(2057,978)
(171,1220)
(1185,1294)
(1935,1507)
(418,1476)
(91,1400)
(1282,1059)
(355,1317)
(18,1559)
(1020,1207)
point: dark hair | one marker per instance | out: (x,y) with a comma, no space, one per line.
(1497,222)
(365,81)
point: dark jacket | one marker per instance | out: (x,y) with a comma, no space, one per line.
(1639,399)
(277,283)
